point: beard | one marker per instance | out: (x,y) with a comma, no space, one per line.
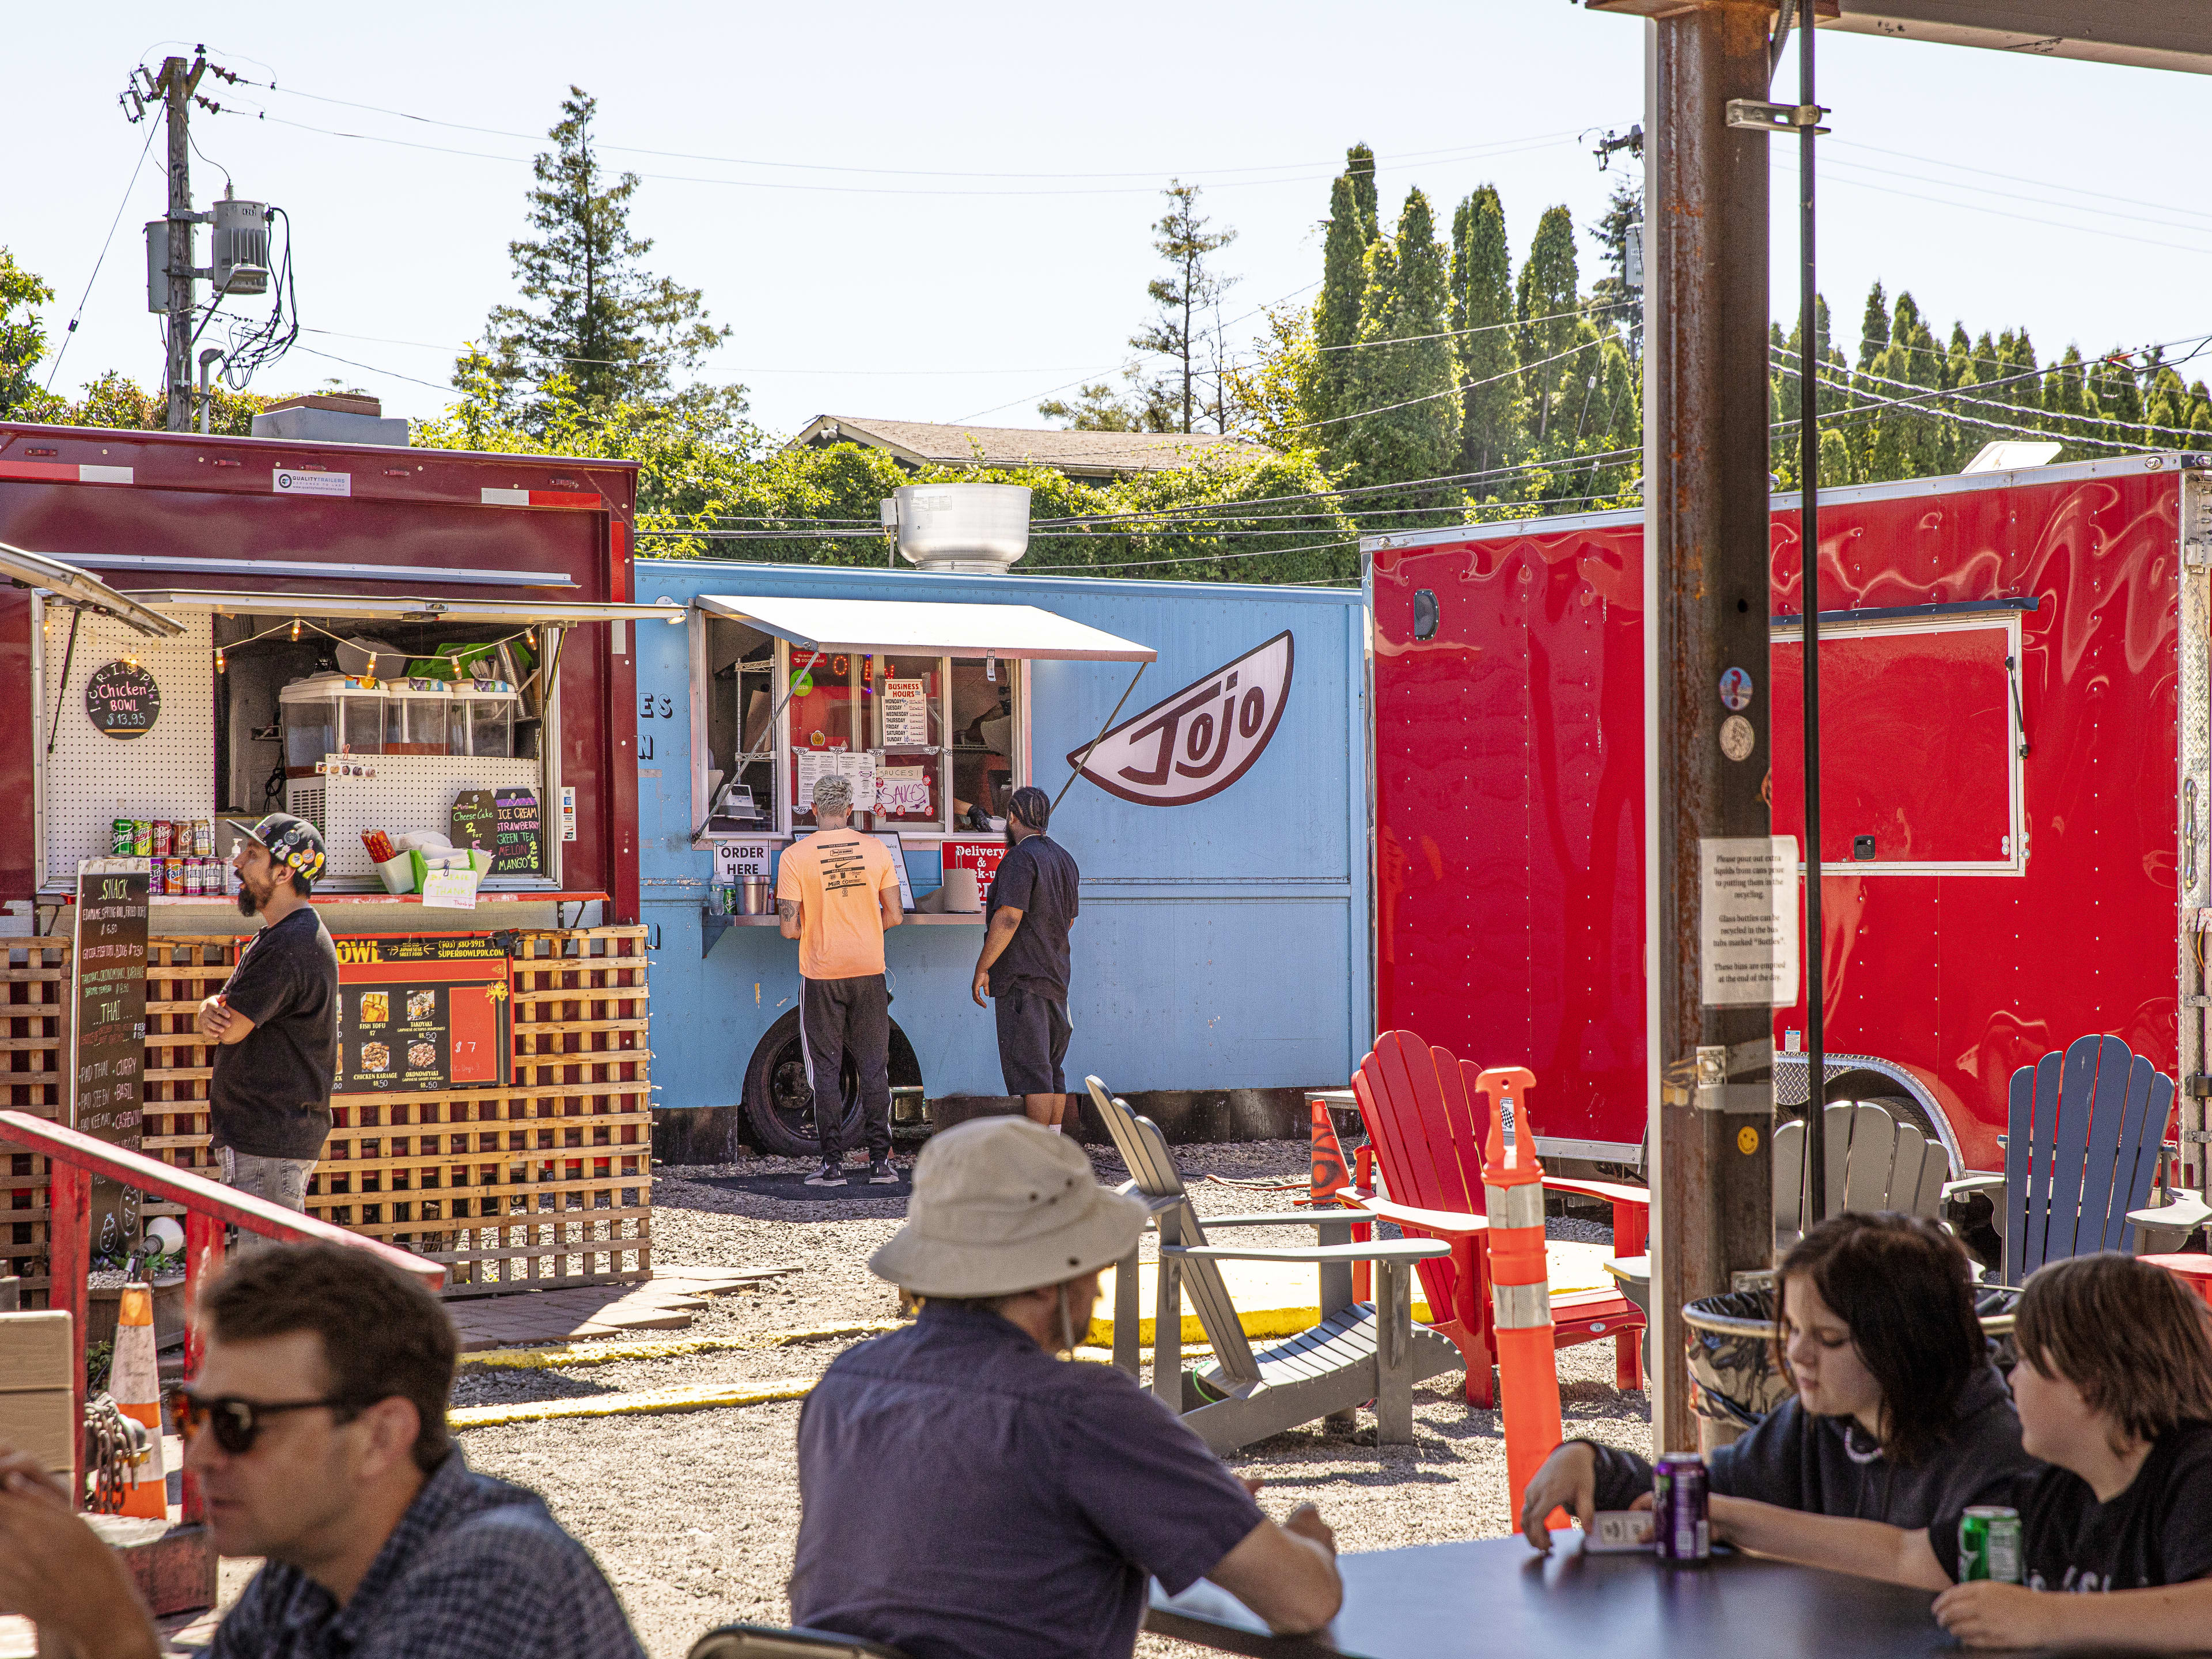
(248,904)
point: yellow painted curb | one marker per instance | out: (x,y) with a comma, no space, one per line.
(646,1402)
(563,1354)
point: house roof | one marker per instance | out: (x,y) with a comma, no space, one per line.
(1080,454)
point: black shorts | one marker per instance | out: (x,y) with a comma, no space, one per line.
(1033,1033)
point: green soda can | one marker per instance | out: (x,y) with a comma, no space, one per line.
(1989,1544)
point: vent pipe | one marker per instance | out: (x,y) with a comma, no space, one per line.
(963,529)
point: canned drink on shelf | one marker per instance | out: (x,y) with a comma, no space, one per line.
(203,838)
(180,837)
(123,837)
(164,839)
(142,838)
(195,878)
(176,886)
(1989,1544)
(1681,1526)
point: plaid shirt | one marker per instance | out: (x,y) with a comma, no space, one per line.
(476,1569)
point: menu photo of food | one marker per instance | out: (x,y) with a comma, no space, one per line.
(422,1056)
(376,1007)
(422,1004)
(375,1056)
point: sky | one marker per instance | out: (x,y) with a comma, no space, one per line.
(944,213)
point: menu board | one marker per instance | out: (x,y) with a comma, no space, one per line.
(107,1032)
(518,839)
(475,820)
(858,769)
(122,701)
(419,1015)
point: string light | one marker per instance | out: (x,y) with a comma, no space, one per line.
(295,630)
(220,667)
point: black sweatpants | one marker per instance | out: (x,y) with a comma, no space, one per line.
(838,1016)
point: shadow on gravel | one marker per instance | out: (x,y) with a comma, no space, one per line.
(793,1188)
(475,1387)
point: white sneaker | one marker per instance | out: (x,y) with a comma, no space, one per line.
(830,1175)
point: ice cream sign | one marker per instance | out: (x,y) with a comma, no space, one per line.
(1198,742)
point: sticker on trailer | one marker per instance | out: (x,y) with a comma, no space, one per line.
(1736,688)
(1747,921)
(1197,743)
(736,859)
(286,482)
(1737,738)
(568,812)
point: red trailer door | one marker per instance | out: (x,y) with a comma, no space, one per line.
(1920,768)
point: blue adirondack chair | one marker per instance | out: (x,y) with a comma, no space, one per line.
(2086,1127)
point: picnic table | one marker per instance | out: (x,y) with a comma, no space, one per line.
(1498,1599)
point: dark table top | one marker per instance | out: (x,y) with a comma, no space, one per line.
(1498,1599)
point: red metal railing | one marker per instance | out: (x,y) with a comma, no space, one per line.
(75,1159)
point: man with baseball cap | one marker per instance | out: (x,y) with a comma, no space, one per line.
(835,893)
(1049,1491)
(275,1023)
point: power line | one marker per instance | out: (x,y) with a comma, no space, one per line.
(2015,178)
(1489,379)
(70,333)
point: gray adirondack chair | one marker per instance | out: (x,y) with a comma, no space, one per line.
(1874,1163)
(1360,1351)
(2086,1127)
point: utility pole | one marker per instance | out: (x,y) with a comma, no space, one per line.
(1711,872)
(178,81)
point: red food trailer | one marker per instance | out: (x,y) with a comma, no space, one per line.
(424,643)
(2016,792)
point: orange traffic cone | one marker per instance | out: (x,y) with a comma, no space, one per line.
(135,1382)
(1329,1177)
(1513,1197)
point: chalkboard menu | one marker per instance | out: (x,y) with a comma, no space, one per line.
(122,701)
(519,850)
(419,1015)
(107,1032)
(475,820)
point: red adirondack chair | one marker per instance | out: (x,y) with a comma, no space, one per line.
(1428,1137)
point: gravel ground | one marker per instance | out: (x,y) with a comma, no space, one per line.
(694,1516)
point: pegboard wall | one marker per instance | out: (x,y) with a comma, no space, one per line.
(408,791)
(92,779)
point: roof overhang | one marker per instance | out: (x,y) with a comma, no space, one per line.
(66,581)
(894,626)
(401,607)
(2167,34)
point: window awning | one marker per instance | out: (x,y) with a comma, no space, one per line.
(897,626)
(402,607)
(38,570)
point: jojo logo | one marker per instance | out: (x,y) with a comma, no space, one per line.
(1200,741)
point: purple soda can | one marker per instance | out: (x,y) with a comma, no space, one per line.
(1681,1531)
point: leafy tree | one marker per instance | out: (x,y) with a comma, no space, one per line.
(1183,299)
(1874,328)
(1611,295)
(1278,396)
(615,331)
(1359,173)
(115,400)
(1096,408)
(1491,416)
(1545,301)
(23,343)
(1405,378)
(1910,441)
(1337,318)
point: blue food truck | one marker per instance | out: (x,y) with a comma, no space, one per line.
(1214,735)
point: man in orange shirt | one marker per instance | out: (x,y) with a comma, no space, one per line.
(836,892)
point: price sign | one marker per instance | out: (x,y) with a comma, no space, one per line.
(107,1038)
(475,820)
(518,846)
(417,1015)
(121,701)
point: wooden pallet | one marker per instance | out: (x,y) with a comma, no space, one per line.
(547,1182)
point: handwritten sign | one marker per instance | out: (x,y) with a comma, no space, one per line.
(903,790)
(475,820)
(417,1015)
(121,701)
(518,849)
(107,1036)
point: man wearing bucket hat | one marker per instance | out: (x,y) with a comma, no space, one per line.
(275,1023)
(964,1490)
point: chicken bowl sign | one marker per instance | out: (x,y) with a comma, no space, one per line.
(1200,741)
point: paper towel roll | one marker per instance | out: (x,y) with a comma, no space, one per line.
(961,891)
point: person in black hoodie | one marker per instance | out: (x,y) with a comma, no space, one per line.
(1898,1417)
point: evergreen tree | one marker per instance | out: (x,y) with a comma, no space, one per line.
(1874,330)
(1183,327)
(1096,408)
(1491,424)
(2115,399)
(1337,318)
(1908,441)
(617,331)
(1611,294)
(1408,426)
(1359,172)
(2066,399)
(1545,301)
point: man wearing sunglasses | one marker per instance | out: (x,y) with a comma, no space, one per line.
(317,1428)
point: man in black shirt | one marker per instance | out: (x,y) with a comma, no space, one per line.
(275,1021)
(1024,964)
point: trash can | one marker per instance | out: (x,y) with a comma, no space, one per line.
(1734,1378)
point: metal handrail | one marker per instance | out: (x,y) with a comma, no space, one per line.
(74,1158)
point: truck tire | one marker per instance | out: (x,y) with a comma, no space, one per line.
(778,1104)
